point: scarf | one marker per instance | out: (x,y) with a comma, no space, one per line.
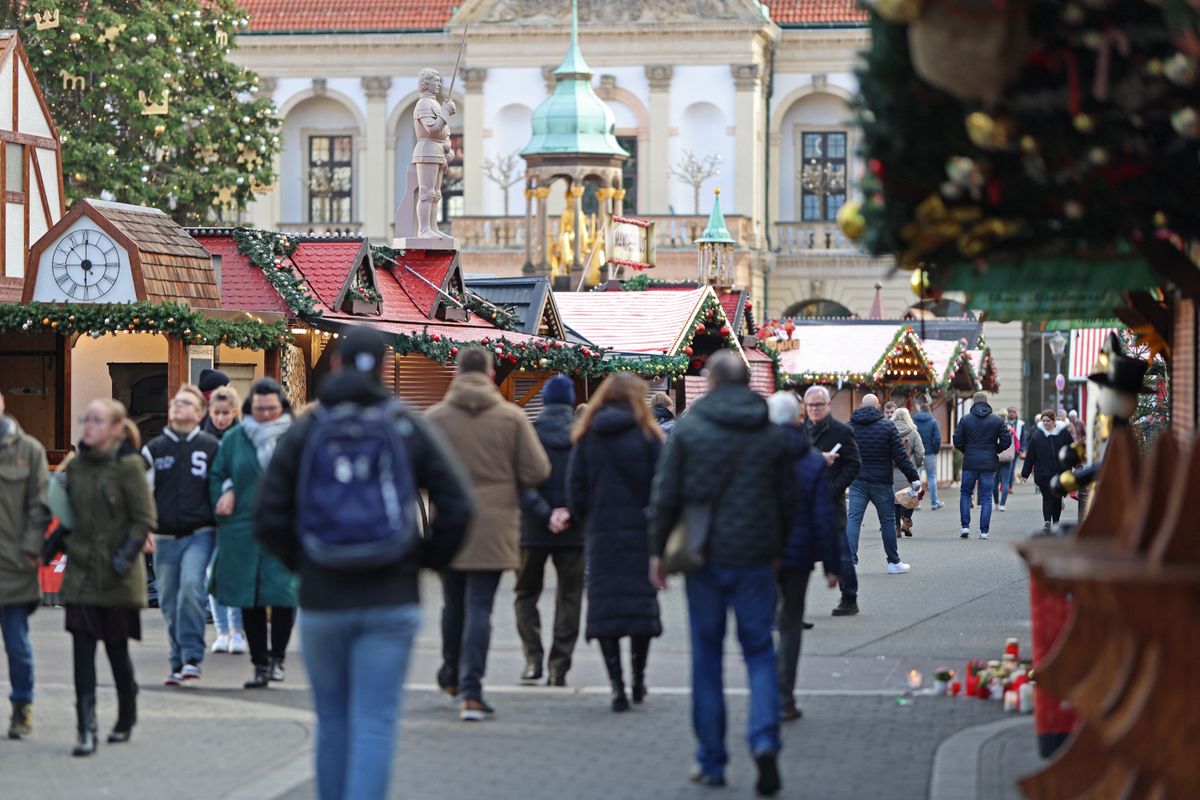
(265,435)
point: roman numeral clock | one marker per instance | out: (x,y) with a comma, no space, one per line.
(85,265)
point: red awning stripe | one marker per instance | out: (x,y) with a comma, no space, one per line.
(1085,348)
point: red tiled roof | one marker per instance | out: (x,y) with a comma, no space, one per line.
(243,285)
(432,265)
(398,307)
(815,12)
(348,15)
(325,267)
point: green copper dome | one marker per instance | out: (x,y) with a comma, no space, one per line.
(573,119)
(716,232)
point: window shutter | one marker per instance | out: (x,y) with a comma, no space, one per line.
(421,382)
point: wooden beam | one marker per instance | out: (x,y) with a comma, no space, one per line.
(1169,262)
(537,387)
(177,364)
(273,365)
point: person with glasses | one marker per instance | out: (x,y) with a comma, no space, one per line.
(1041,460)
(179,459)
(838,446)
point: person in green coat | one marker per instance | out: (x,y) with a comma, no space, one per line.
(244,575)
(104,587)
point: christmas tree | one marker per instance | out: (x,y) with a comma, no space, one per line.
(1153,415)
(148,106)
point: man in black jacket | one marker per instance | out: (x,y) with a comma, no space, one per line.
(828,435)
(548,532)
(179,459)
(981,435)
(880,447)
(725,453)
(358,626)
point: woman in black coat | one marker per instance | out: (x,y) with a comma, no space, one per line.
(617,444)
(1041,458)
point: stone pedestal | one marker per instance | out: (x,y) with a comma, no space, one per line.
(424,243)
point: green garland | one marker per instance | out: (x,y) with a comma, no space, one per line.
(781,381)
(863,379)
(366,294)
(502,318)
(710,314)
(270,251)
(541,355)
(642,282)
(171,319)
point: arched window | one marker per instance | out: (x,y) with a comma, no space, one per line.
(817,309)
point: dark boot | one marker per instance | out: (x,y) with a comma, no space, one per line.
(126,717)
(261,678)
(847,608)
(275,672)
(85,718)
(640,654)
(21,724)
(611,650)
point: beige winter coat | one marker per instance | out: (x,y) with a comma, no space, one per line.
(502,456)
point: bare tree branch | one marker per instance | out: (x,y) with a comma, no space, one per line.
(504,171)
(694,172)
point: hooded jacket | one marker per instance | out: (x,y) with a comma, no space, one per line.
(434,469)
(23,512)
(111,500)
(728,429)
(553,428)
(500,451)
(930,431)
(664,416)
(880,447)
(609,488)
(814,535)
(981,435)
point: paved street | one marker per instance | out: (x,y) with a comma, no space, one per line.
(961,601)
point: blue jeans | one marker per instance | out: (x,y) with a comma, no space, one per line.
(181,564)
(357,662)
(14,624)
(750,592)
(987,482)
(467,599)
(884,500)
(931,476)
(226,619)
(1005,479)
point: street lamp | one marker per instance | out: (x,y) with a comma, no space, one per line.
(1058,345)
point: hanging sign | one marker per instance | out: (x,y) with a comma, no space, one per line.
(630,243)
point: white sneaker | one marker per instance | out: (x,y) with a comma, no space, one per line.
(190,672)
(1001,508)
(982,535)
(221,645)
(899,568)
(237,643)
(965,533)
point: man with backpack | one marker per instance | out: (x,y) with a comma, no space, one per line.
(339,506)
(501,453)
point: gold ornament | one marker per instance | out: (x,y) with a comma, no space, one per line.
(150,107)
(79,177)
(988,133)
(46,21)
(225,197)
(71,82)
(74,37)
(1084,123)
(110,35)
(1160,219)
(159,130)
(1029,144)
(919,282)
(851,220)
(222,38)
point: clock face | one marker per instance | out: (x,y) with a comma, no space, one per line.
(86,265)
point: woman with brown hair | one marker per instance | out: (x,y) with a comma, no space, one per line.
(617,444)
(104,587)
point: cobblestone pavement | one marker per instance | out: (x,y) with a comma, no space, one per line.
(216,740)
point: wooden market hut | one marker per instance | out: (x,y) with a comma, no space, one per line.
(133,273)
(853,360)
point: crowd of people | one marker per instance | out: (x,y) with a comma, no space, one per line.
(269,517)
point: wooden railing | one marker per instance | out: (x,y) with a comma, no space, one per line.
(322,228)
(796,237)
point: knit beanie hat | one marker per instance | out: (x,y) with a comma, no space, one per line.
(211,380)
(559,389)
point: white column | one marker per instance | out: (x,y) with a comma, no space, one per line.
(375,211)
(472,130)
(748,144)
(657,199)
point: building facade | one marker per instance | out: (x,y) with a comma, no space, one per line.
(754,99)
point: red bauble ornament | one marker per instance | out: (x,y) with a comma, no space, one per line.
(700,327)
(484,341)
(687,350)
(558,344)
(512,359)
(453,351)
(876,166)
(437,337)
(724,330)
(749,305)
(587,352)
